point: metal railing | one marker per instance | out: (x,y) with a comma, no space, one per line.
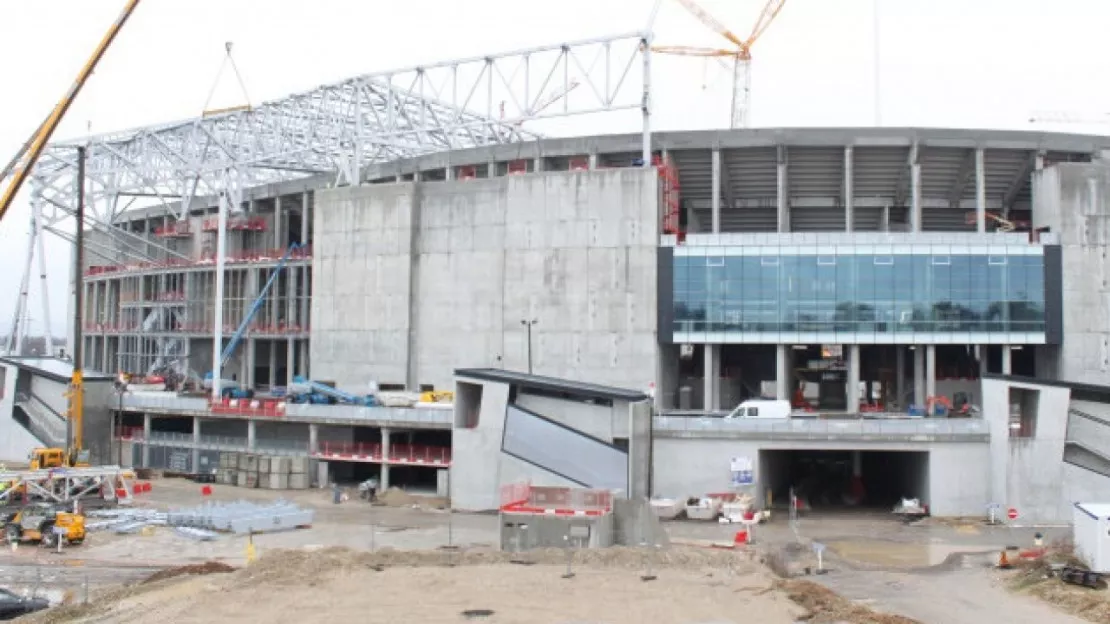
(277,409)
(909,429)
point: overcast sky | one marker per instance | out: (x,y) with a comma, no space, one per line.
(955,63)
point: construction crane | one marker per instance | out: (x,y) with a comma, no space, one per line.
(742,55)
(19,168)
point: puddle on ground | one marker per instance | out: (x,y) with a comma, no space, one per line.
(879,552)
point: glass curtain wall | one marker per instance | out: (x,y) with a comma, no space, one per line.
(848,293)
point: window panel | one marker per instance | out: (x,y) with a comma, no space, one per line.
(852,294)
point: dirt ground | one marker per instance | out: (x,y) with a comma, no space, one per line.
(381,563)
(1034,578)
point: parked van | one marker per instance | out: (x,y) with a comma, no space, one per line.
(761,408)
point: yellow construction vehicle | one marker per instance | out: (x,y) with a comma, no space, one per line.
(437,396)
(56,458)
(46,524)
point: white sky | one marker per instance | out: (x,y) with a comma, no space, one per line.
(955,63)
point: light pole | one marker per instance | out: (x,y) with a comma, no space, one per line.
(529,323)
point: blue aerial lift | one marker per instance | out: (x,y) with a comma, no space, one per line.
(228,390)
(308,391)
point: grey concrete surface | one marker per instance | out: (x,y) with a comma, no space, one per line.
(412,281)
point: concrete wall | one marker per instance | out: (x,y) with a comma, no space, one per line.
(1073,199)
(1094,435)
(361,270)
(958,471)
(15,441)
(1029,474)
(576,251)
(476,451)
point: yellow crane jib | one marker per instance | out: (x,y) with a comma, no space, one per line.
(29,154)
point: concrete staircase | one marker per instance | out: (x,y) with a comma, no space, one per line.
(48,426)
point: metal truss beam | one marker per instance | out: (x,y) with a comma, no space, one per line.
(339,128)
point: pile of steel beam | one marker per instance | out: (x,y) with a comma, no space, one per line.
(242,517)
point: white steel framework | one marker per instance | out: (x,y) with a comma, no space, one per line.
(336,129)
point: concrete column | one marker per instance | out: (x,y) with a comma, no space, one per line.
(1038,167)
(290,350)
(246,367)
(1007,362)
(900,376)
(982,352)
(383,482)
(853,379)
(980,191)
(196,445)
(313,438)
(592,161)
(304,218)
(849,191)
(279,241)
(857,464)
(782,192)
(491,169)
(782,372)
(537,164)
(273,363)
(915,190)
(448,173)
(302,368)
(930,370)
(146,440)
(712,394)
(919,375)
(716,201)
(252,434)
(400,177)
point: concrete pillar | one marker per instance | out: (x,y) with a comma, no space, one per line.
(1007,361)
(930,370)
(313,438)
(782,192)
(252,434)
(849,191)
(537,164)
(857,464)
(983,351)
(919,375)
(712,393)
(900,376)
(304,218)
(592,162)
(302,368)
(290,351)
(853,379)
(448,173)
(279,241)
(146,440)
(716,201)
(246,367)
(273,363)
(491,169)
(915,190)
(980,191)
(400,177)
(383,482)
(782,372)
(196,445)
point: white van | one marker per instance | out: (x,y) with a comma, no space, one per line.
(761,408)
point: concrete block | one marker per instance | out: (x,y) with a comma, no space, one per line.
(298,481)
(274,481)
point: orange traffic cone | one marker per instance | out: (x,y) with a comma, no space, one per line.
(1004,561)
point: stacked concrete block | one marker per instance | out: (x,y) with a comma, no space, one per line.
(229,466)
(247,475)
(298,473)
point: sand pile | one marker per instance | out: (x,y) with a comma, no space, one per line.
(292,566)
(197,569)
(825,605)
(396,497)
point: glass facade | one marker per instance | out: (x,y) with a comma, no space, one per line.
(852,292)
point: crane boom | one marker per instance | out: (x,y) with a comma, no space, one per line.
(27,156)
(710,22)
(770,11)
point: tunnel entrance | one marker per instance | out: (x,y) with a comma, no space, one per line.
(844,480)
